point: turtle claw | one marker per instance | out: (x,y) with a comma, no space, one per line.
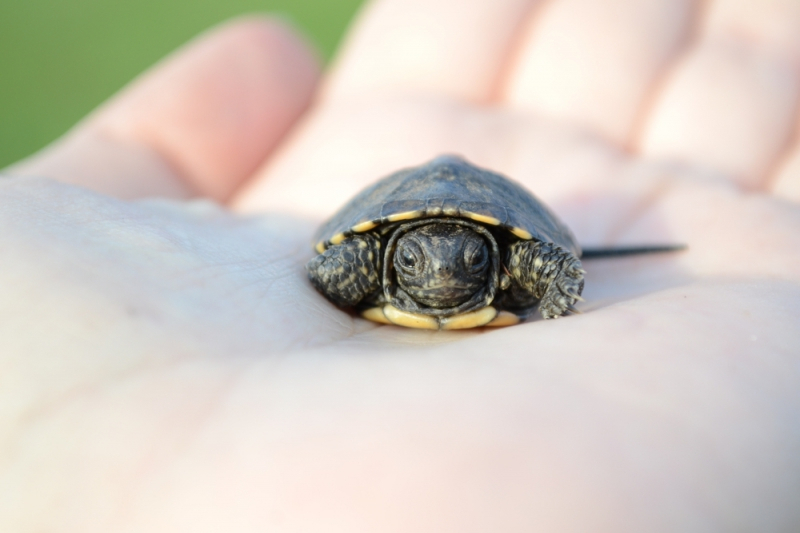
(554,304)
(549,273)
(574,294)
(563,292)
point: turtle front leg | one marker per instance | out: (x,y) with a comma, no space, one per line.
(347,272)
(547,272)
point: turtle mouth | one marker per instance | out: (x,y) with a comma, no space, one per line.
(449,286)
(442,296)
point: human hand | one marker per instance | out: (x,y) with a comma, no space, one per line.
(167,366)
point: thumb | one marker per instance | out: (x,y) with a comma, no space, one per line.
(199,123)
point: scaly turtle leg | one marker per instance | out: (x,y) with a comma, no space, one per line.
(549,273)
(347,272)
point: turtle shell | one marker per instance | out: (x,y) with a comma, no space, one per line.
(448,186)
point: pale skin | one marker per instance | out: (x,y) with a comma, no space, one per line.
(165,365)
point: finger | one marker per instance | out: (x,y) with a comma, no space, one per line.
(782,32)
(595,63)
(787,180)
(730,104)
(199,123)
(442,46)
(356,142)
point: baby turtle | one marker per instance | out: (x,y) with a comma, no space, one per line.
(447,245)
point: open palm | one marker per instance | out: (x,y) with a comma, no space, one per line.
(167,367)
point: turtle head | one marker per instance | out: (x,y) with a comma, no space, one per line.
(442,265)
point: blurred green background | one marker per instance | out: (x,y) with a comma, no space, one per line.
(61,58)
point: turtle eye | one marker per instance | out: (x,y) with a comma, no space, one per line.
(475,256)
(409,257)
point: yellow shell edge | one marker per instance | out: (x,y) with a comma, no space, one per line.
(504,318)
(522,234)
(409,320)
(376,315)
(337,239)
(404,216)
(474,319)
(488,316)
(320,247)
(361,227)
(483,218)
